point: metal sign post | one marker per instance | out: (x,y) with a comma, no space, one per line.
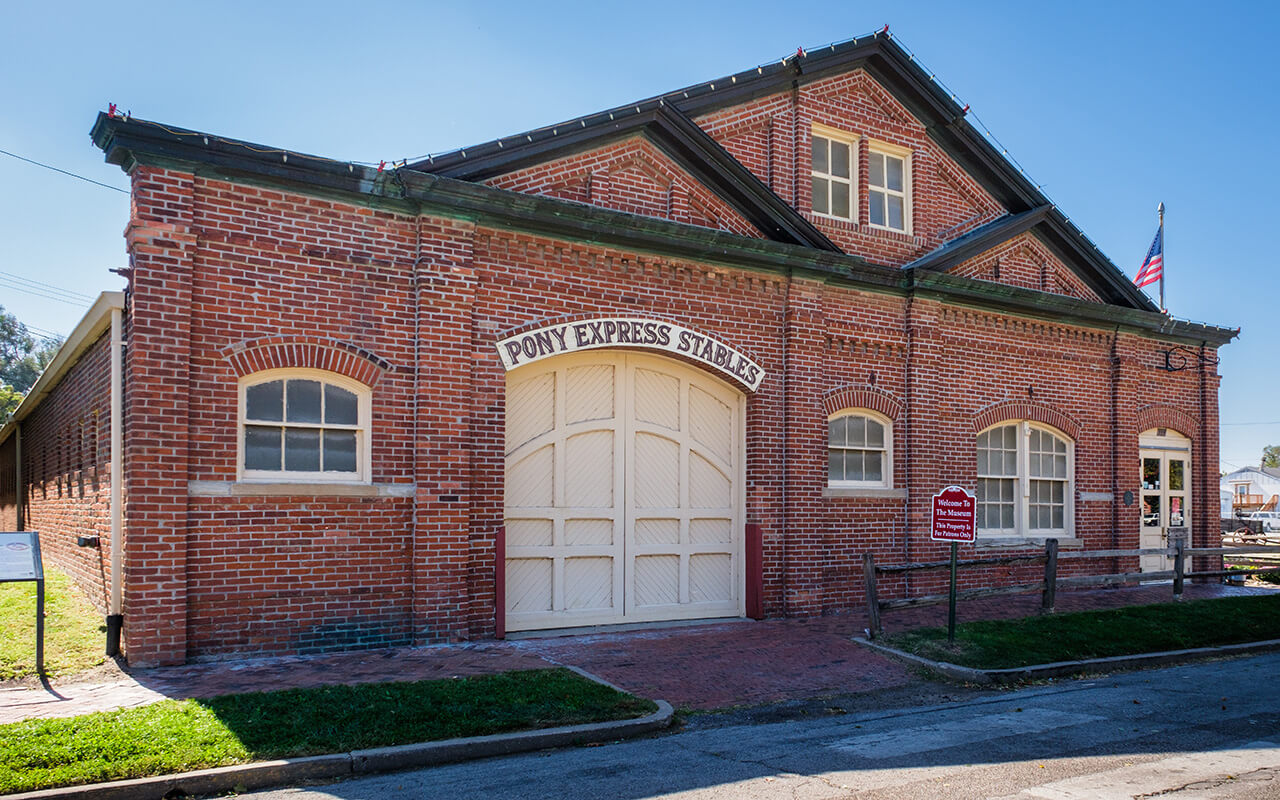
(20,561)
(955,517)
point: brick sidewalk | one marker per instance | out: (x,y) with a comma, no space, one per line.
(702,666)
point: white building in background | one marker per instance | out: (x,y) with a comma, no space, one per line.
(1253,488)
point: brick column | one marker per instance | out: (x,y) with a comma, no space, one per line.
(446,288)
(1129,393)
(1205,509)
(806,448)
(926,426)
(161,248)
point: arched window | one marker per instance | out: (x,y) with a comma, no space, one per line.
(303,425)
(1026,473)
(859,450)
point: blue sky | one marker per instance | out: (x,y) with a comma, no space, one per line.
(1111,106)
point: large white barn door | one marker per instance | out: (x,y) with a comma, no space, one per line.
(623,492)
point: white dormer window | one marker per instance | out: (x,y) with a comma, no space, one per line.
(833,155)
(888,179)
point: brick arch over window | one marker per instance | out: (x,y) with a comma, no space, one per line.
(309,352)
(868,397)
(1026,409)
(1167,417)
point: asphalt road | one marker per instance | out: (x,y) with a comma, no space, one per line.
(1208,730)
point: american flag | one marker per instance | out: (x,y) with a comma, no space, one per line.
(1153,267)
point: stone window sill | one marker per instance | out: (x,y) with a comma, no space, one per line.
(865,493)
(286,489)
(1025,542)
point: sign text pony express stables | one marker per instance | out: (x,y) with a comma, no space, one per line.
(569,337)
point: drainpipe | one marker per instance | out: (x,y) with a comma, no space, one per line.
(115,616)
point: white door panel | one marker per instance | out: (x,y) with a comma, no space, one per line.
(623,497)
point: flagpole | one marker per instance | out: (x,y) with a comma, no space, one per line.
(1163,261)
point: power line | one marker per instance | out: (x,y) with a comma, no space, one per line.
(64,172)
(8,284)
(48,286)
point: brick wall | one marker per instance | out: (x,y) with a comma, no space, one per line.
(632,176)
(66,470)
(229,279)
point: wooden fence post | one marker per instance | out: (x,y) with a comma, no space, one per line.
(873,602)
(1049,598)
(1179,567)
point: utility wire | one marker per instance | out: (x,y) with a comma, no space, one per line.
(64,172)
(7,284)
(46,286)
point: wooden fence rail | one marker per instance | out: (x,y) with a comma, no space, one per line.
(1049,585)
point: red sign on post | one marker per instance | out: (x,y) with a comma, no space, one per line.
(955,515)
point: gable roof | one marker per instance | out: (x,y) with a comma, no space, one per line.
(673,133)
(885,61)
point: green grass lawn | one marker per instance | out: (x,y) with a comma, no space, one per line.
(74,633)
(176,736)
(997,644)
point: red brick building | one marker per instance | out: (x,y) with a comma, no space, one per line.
(685,358)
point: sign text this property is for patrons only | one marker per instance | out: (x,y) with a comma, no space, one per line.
(955,513)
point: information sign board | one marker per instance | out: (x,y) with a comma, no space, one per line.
(955,516)
(20,557)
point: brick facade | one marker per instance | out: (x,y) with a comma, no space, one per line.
(232,277)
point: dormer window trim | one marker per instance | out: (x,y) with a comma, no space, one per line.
(824,143)
(884,193)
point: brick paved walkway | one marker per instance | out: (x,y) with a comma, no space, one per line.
(702,666)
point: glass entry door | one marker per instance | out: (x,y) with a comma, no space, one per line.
(1165,495)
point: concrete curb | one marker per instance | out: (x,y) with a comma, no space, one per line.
(1059,668)
(265,774)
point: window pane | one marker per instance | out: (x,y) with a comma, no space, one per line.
(1006,516)
(895,213)
(876,207)
(1059,518)
(984,439)
(265,401)
(1175,475)
(875,434)
(1150,473)
(340,451)
(302,401)
(840,200)
(871,465)
(893,170)
(261,447)
(820,154)
(1010,437)
(1151,510)
(835,465)
(1059,466)
(1010,463)
(853,466)
(875,164)
(982,463)
(820,205)
(836,436)
(840,159)
(857,431)
(302,450)
(339,406)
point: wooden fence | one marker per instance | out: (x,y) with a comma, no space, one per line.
(1048,586)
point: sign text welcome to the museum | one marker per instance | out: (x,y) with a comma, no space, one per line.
(569,337)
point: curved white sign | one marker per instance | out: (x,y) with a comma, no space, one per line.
(569,337)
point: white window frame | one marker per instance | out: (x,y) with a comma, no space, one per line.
(892,151)
(845,138)
(363,418)
(886,481)
(1022,486)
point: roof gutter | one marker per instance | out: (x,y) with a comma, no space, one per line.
(129,143)
(95,321)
